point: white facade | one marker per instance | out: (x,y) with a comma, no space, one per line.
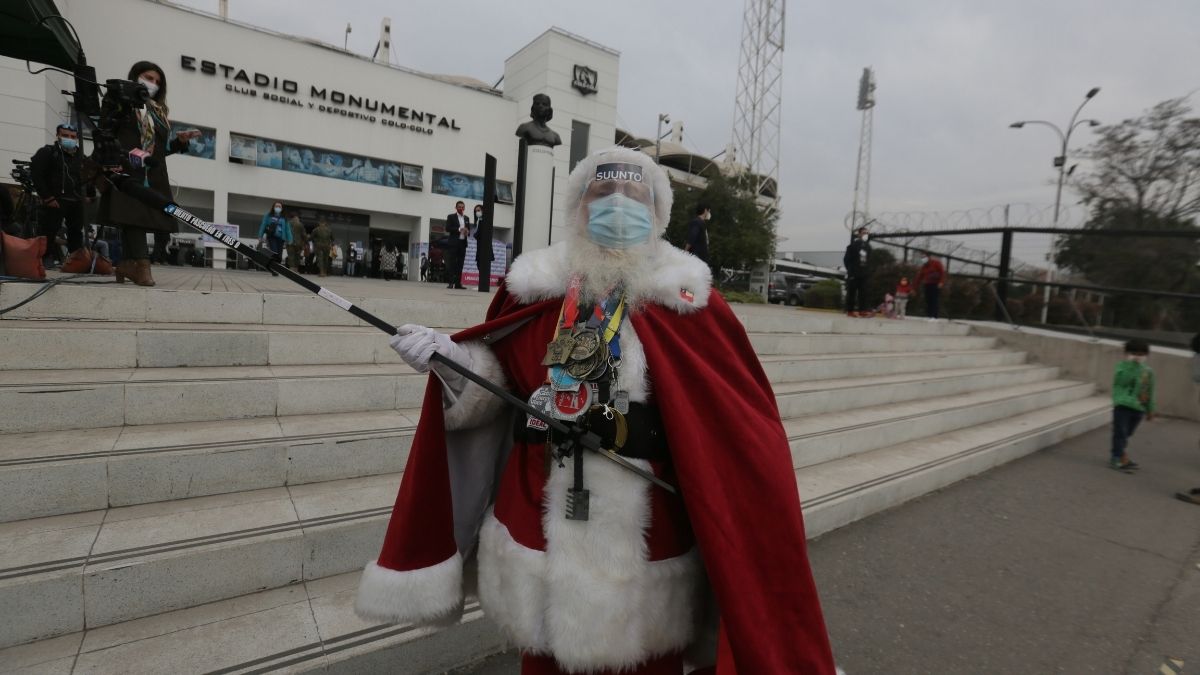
(242,80)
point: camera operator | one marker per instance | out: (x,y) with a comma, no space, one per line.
(141,130)
(55,171)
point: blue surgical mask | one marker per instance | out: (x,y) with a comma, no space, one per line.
(69,144)
(278,210)
(617,221)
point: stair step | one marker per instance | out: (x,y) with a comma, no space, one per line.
(845,490)
(787,343)
(786,368)
(107,302)
(55,571)
(298,628)
(55,400)
(52,473)
(52,345)
(310,626)
(56,345)
(773,319)
(808,398)
(829,436)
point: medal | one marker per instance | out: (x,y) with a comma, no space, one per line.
(571,405)
(559,350)
(582,369)
(541,398)
(562,380)
(587,343)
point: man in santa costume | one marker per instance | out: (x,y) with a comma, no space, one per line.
(587,566)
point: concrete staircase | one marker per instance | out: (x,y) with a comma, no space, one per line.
(189,482)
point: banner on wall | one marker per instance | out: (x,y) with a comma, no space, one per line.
(470,273)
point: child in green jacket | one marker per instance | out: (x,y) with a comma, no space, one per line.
(1133,399)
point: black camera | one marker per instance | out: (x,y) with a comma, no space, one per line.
(23,174)
(121,97)
(126,93)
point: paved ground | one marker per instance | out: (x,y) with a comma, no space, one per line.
(1051,564)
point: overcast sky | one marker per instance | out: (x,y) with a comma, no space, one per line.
(952,75)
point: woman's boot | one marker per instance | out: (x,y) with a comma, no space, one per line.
(125,268)
(141,274)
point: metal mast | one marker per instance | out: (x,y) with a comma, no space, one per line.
(760,95)
(862,181)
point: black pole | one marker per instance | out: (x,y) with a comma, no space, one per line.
(1006,239)
(485,230)
(572,433)
(519,209)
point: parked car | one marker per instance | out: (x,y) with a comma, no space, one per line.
(786,288)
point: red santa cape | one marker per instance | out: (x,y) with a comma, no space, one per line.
(731,461)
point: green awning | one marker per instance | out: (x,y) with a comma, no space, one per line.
(24,36)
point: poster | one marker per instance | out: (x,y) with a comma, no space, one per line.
(470,273)
(204,146)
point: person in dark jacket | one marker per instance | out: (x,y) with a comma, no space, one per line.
(697,233)
(458,228)
(55,170)
(147,129)
(482,231)
(856,262)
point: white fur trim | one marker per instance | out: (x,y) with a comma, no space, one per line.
(632,376)
(592,600)
(512,585)
(430,594)
(543,274)
(476,405)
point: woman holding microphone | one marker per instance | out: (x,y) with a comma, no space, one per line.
(148,130)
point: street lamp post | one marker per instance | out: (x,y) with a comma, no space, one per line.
(663,118)
(1060,162)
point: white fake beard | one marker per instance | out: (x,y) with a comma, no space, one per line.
(601,269)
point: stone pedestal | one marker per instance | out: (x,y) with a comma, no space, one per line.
(539,197)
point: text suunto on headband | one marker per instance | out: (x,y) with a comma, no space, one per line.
(619,171)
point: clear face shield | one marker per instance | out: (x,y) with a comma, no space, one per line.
(619,206)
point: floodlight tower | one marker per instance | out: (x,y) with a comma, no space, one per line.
(862,181)
(760,95)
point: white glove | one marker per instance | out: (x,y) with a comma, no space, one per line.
(417,345)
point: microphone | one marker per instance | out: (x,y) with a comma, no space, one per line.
(139,158)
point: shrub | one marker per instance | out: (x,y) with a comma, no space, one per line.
(743,297)
(825,294)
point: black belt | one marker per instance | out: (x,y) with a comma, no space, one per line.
(646,438)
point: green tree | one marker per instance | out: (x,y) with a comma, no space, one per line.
(740,235)
(1144,175)
(1146,166)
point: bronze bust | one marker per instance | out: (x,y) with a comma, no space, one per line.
(535,131)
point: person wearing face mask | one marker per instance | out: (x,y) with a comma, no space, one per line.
(1133,400)
(458,228)
(147,129)
(275,230)
(856,261)
(931,279)
(697,233)
(482,231)
(55,171)
(616,329)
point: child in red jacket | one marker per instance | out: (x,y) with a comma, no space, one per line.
(903,291)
